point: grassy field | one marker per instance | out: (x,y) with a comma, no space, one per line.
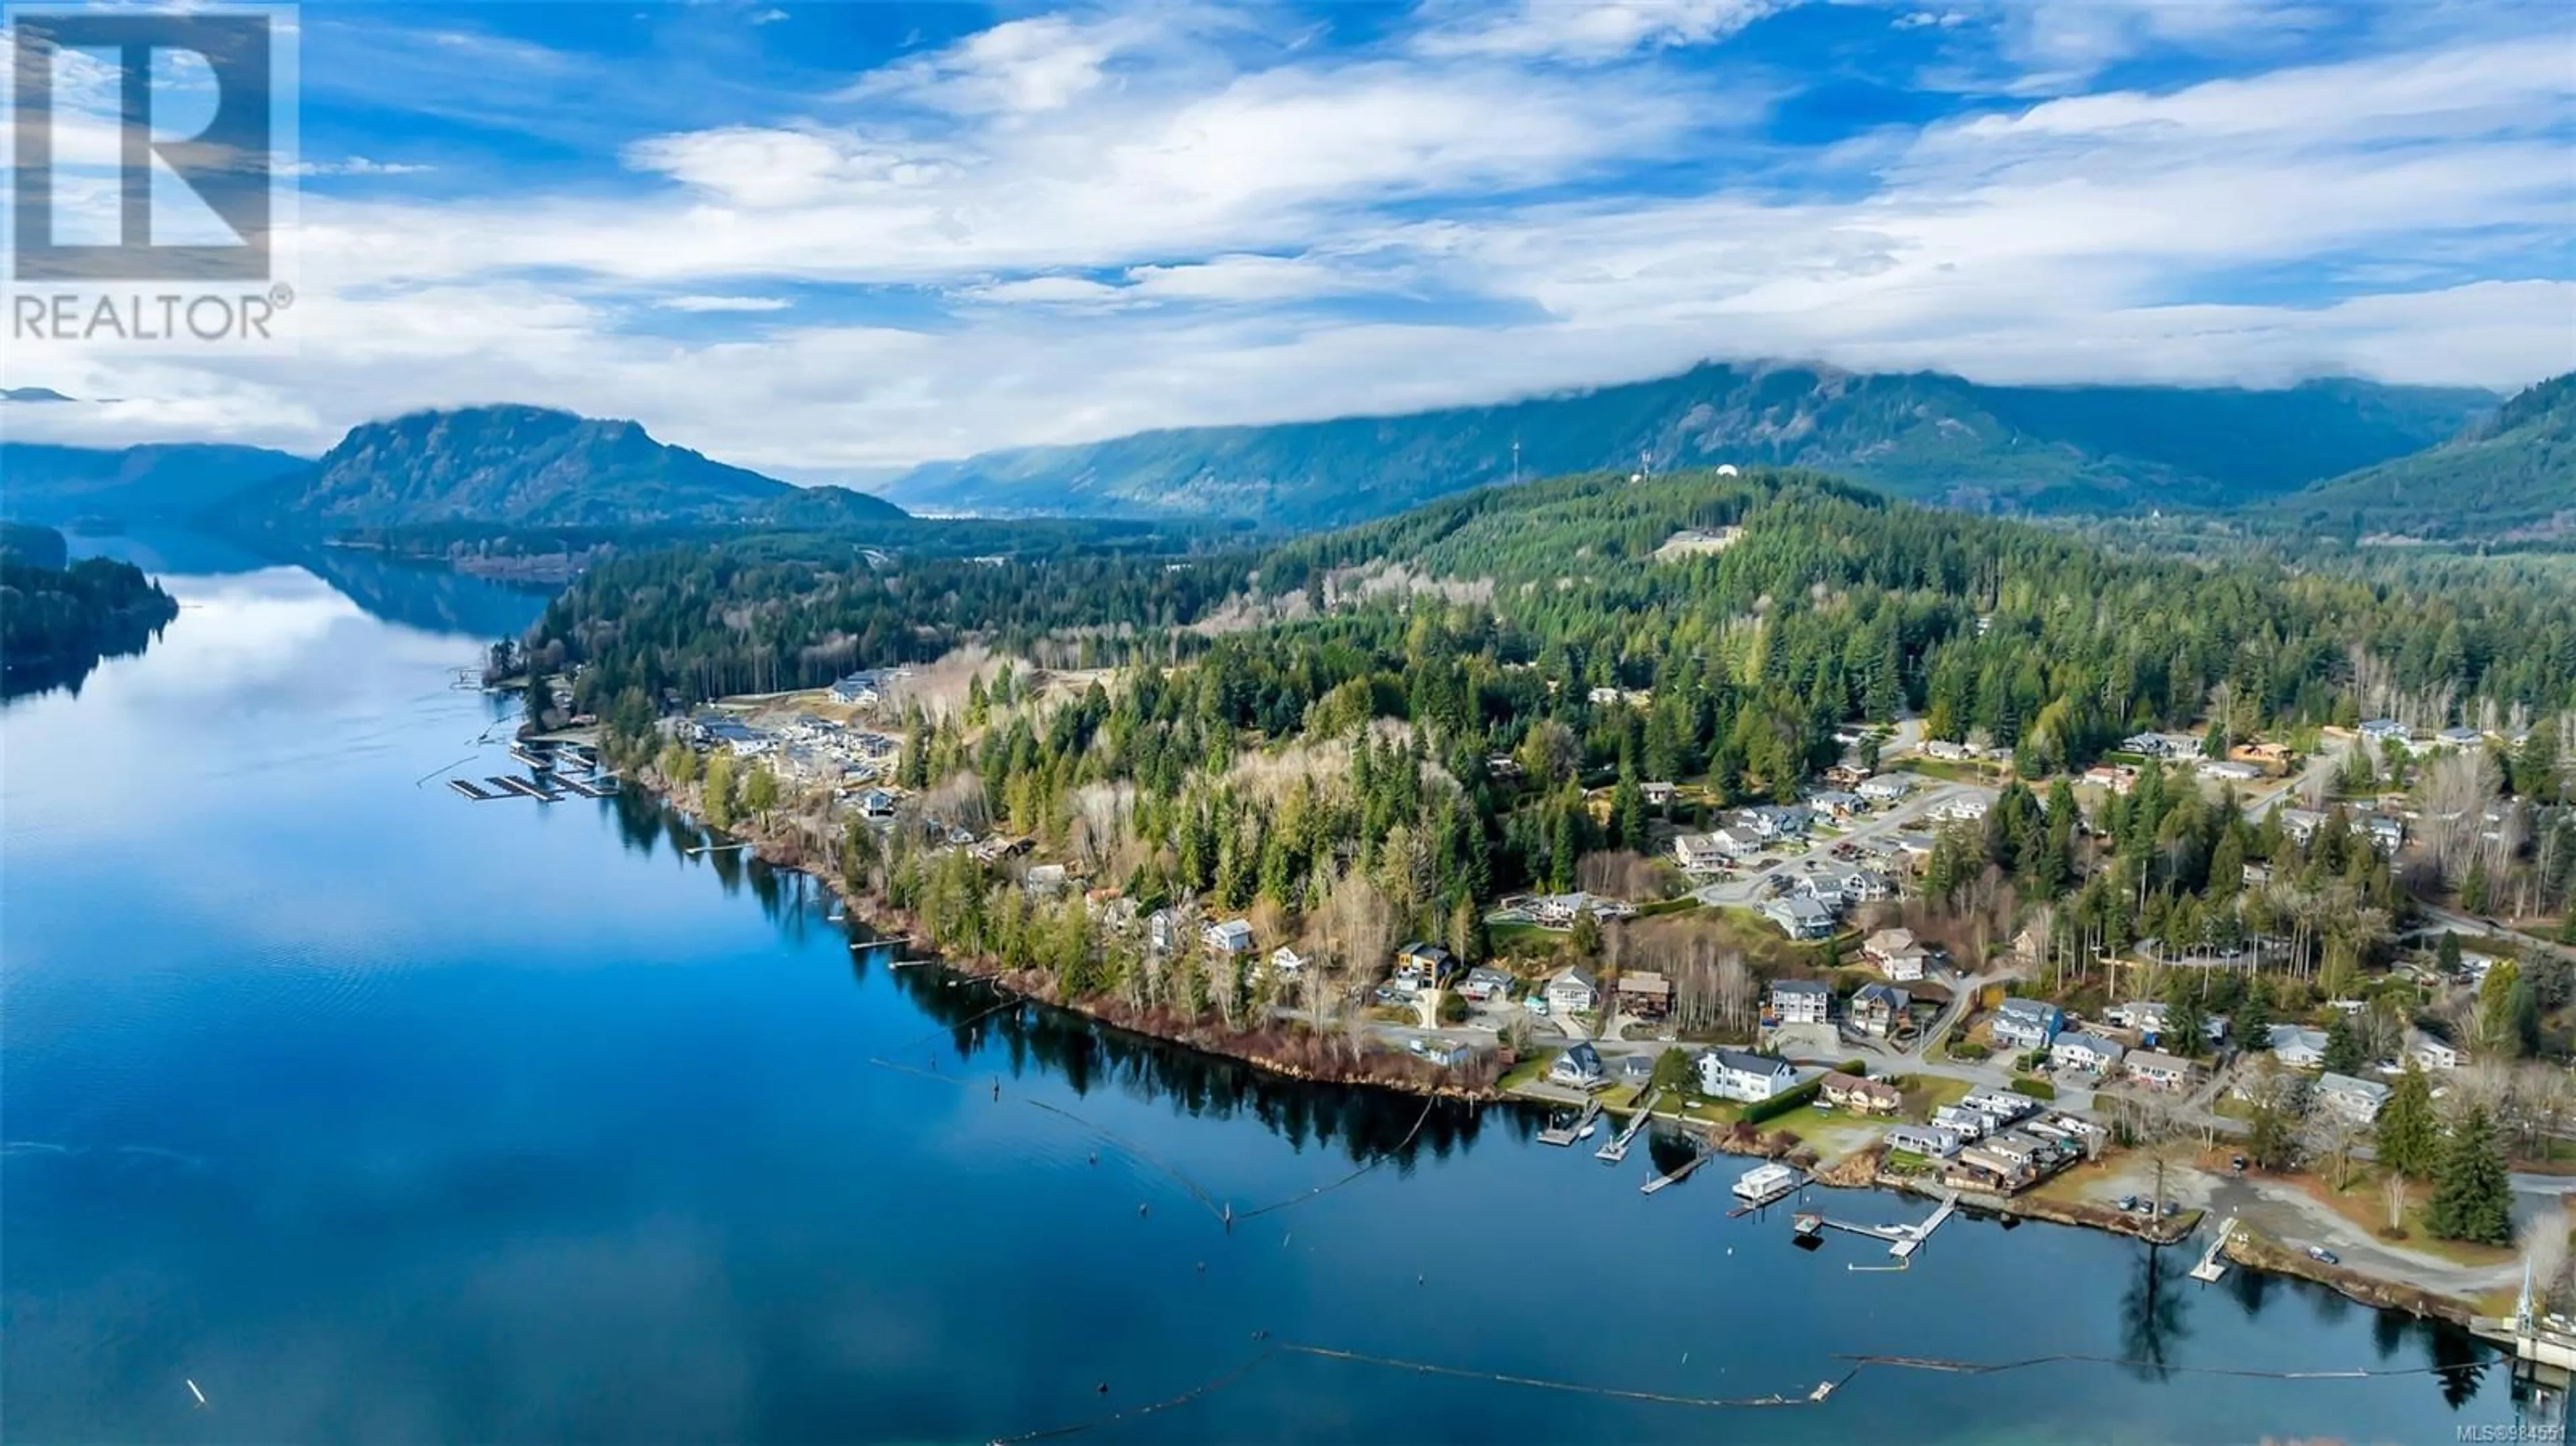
(2365,1204)
(1926,1093)
(1534,1067)
(1833,1133)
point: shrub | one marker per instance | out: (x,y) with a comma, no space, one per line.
(1779,1104)
(1969,1049)
(1453,1009)
(2038,1089)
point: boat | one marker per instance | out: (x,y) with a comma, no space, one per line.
(1589,1126)
(1765,1183)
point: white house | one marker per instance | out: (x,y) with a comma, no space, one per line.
(2427,1053)
(1698,853)
(2298,1047)
(1571,989)
(1732,1074)
(2379,732)
(1965,808)
(2160,1071)
(2027,1023)
(1930,1141)
(1486,982)
(1801,1001)
(2357,1100)
(1287,963)
(2229,770)
(1885,787)
(1579,1067)
(1234,936)
(1801,916)
(2084,1051)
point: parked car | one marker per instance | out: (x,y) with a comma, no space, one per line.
(2323,1256)
(2128,1202)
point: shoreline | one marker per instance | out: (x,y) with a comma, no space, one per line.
(2243,1248)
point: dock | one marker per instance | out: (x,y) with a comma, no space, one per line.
(1679,1174)
(587,788)
(531,757)
(1568,1134)
(522,786)
(1617,1149)
(1903,1240)
(473,790)
(2213,1265)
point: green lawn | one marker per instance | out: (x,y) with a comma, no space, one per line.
(1926,1093)
(1532,1068)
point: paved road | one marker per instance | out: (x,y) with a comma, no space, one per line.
(1745,888)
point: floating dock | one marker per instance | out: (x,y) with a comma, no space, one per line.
(522,786)
(473,790)
(2213,1264)
(1681,1173)
(1567,1135)
(531,757)
(587,787)
(1617,1149)
(1903,1240)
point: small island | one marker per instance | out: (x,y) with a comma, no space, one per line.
(59,618)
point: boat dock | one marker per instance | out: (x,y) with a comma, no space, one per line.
(1679,1174)
(522,786)
(2212,1263)
(531,757)
(473,790)
(1567,1134)
(1617,1149)
(602,787)
(1903,1240)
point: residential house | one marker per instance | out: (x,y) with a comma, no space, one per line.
(1287,963)
(1801,916)
(1878,948)
(1966,1123)
(1846,774)
(1862,1096)
(1947,751)
(1698,853)
(1964,808)
(1737,841)
(877,803)
(1658,795)
(1636,1069)
(2380,732)
(2004,1105)
(1230,938)
(2027,1023)
(1427,960)
(1580,1067)
(2146,745)
(1835,802)
(2356,1100)
(1930,1141)
(1800,1001)
(1485,982)
(2299,825)
(1777,821)
(1878,1008)
(1645,994)
(2118,778)
(2229,770)
(2072,1050)
(2011,1156)
(1570,989)
(1732,1074)
(2459,738)
(1163,929)
(1045,881)
(2386,834)
(2161,1071)
(1884,787)
(2426,1052)
(2299,1047)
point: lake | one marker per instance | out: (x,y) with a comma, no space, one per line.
(382,1115)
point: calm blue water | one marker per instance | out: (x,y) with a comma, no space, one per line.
(386,1116)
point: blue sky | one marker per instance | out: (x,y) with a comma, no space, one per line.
(832,239)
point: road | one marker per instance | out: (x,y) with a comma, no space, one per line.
(1745,887)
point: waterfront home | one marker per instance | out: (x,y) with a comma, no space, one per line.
(1230,938)
(1645,994)
(1932,1142)
(1884,787)
(1570,989)
(2158,1070)
(1485,982)
(1580,1067)
(1732,1074)
(1163,929)
(1801,916)
(2299,1047)
(1863,1096)
(2013,1157)
(1698,853)
(2092,1052)
(2356,1100)
(2003,1104)
(2027,1023)
(1800,1001)
(1429,961)
(1966,1123)
(1287,963)
(1448,1054)
(1636,1069)
(1876,1008)
(2432,1054)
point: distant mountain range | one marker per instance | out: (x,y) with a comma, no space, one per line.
(2509,476)
(1924,435)
(506,466)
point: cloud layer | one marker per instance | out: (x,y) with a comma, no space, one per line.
(1069,225)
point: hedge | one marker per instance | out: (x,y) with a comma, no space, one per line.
(1780,1104)
(2038,1089)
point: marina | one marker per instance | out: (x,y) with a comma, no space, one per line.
(522,786)
(473,790)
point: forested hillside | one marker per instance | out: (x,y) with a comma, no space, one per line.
(57,622)
(1922,435)
(2509,478)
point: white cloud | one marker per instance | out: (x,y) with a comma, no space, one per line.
(768,17)
(1139,240)
(1588,30)
(357,166)
(700,302)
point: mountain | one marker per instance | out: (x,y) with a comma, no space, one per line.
(2507,477)
(40,482)
(1925,435)
(532,467)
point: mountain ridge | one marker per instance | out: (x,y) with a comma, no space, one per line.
(2507,477)
(1927,436)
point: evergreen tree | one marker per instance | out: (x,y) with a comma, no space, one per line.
(2251,1024)
(2343,1045)
(2448,953)
(2408,1137)
(2181,1034)
(2472,1191)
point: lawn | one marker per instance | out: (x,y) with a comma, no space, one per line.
(1926,1093)
(1527,1070)
(1831,1132)
(2363,1204)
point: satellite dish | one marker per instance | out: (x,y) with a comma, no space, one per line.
(1726,469)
